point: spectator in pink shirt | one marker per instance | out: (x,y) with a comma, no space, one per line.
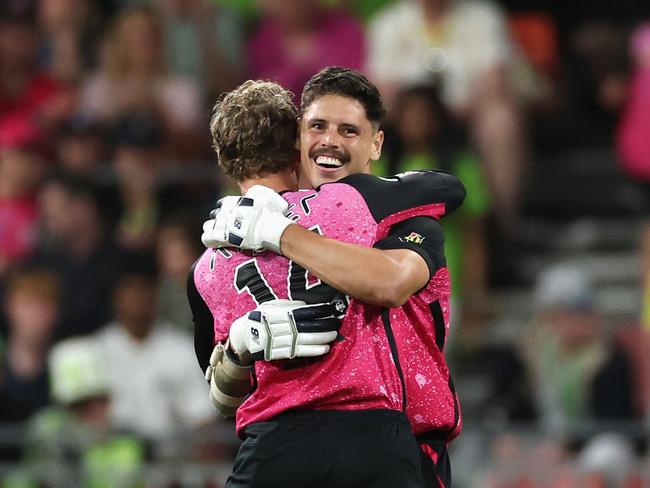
(296,38)
(634,129)
(27,94)
(20,171)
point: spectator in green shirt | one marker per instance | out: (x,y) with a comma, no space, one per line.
(425,138)
(73,443)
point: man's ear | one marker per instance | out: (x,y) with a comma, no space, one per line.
(377,143)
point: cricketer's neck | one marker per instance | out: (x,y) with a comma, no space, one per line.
(283,180)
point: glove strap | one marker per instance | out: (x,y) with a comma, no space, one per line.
(294,335)
(274,226)
(269,337)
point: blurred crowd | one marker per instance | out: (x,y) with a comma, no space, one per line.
(106,173)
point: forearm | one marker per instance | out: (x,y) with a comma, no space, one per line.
(371,275)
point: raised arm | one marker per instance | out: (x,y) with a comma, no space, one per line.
(377,277)
(374,276)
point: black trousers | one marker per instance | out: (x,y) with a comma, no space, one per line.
(436,467)
(329,449)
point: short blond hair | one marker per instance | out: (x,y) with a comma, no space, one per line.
(254,129)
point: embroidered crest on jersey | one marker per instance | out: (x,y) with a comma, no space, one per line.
(413,237)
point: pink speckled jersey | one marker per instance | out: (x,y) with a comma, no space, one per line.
(361,371)
(420,328)
(432,404)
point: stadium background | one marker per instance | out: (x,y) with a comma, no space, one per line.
(106,173)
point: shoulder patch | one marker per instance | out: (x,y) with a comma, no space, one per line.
(413,237)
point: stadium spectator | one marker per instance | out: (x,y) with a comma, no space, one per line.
(32,310)
(156,388)
(579,373)
(27,95)
(75,242)
(177,248)
(426,138)
(296,38)
(633,140)
(491,375)
(73,441)
(137,163)
(81,149)
(144,196)
(68,46)
(465,47)
(133,77)
(21,167)
(595,77)
(205,43)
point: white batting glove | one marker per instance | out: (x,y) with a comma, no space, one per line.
(258,220)
(285,329)
(214,229)
(255,221)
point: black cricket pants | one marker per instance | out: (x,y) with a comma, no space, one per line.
(436,467)
(329,449)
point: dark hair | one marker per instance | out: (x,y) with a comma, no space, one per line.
(80,126)
(137,264)
(138,129)
(81,188)
(254,129)
(445,143)
(428,97)
(18,13)
(345,82)
(184,224)
(73,185)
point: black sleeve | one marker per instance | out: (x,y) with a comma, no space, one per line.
(420,234)
(386,196)
(203,323)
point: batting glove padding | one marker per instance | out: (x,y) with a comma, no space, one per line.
(214,229)
(256,221)
(285,329)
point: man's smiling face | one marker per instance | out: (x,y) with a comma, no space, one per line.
(337,139)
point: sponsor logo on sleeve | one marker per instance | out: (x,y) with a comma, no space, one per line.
(413,237)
